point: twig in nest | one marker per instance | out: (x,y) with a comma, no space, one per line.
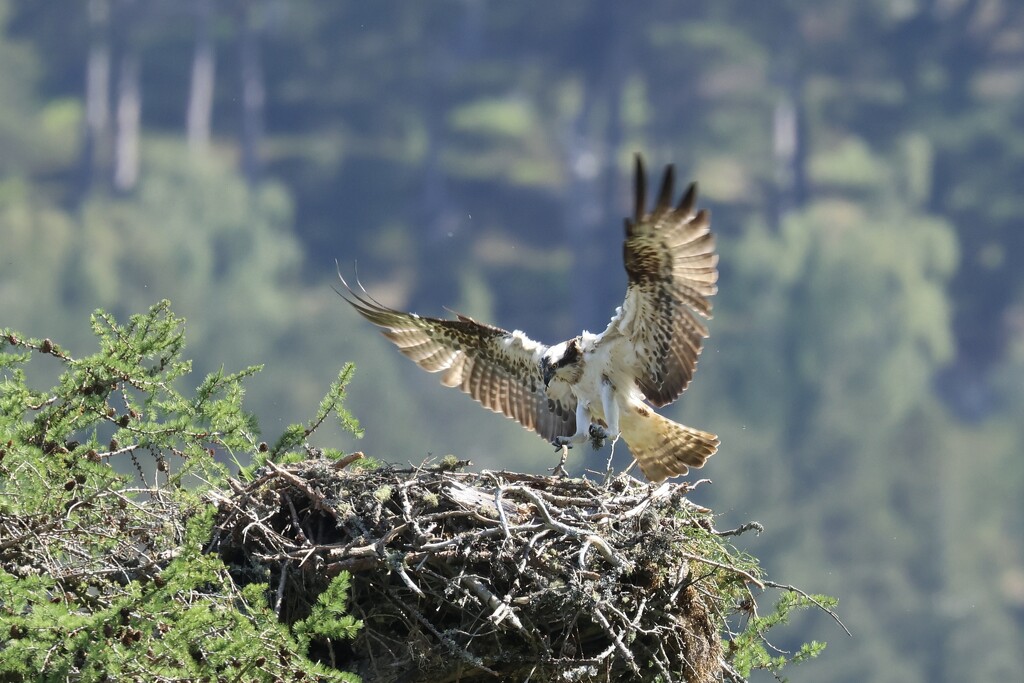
(499,504)
(742,529)
(747,576)
(313,495)
(660,663)
(601,544)
(398,565)
(608,471)
(342,463)
(300,534)
(446,640)
(467,576)
(617,639)
(280,589)
(501,608)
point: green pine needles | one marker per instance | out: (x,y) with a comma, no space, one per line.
(106,479)
(748,649)
(103,518)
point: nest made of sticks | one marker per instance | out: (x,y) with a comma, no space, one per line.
(462,576)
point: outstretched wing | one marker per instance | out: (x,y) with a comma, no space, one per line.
(500,369)
(672,266)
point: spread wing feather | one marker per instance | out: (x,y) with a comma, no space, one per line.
(670,258)
(499,369)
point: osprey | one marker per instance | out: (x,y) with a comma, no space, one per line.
(593,386)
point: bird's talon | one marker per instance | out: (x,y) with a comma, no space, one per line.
(598,436)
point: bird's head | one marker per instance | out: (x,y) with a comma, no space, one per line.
(561,361)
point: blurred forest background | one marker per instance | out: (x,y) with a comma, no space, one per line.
(863,160)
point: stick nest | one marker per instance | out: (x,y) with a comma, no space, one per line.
(460,576)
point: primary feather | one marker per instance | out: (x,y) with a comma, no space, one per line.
(500,369)
(647,354)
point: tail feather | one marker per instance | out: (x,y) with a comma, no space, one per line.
(665,448)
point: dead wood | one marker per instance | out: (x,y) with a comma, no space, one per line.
(493,576)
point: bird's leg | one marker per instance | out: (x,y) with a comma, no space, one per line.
(559,469)
(582,431)
(611,418)
(611,413)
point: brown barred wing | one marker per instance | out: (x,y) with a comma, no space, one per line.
(670,258)
(499,369)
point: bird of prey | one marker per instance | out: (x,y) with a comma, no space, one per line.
(593,386)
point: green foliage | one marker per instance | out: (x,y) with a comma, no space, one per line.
(188,622)
(748,650)
(296,434)
(104,483)
(862,293)
(870,281)
(735,573)
(194,228)
(121,401)
(328,619)
(111,579)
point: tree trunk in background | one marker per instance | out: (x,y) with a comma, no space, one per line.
(789,146)
(592,146)
(609,271)
(200,97)
(253,92)
(585,158)
(129,111)
(439,210)
(788,192)
(97,92)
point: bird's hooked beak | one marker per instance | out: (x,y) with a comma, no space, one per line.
(547,369)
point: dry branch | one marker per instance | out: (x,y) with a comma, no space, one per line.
(492,576)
